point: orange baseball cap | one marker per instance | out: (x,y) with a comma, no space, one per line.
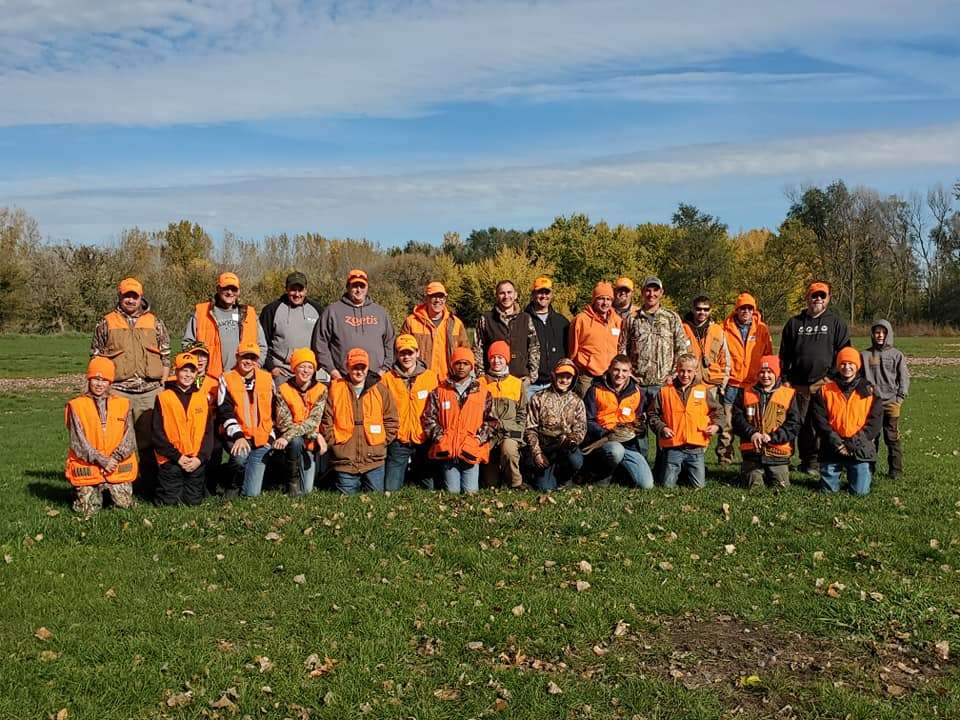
(623,281)
(462,354)
(183,359)
(603,289)
(405,342)
(565,366)
(435,288)
(248,348)
(849,354)
(228,279)
(745,300)
(302,355)
(357,356)
(101,367)
(355,275)
(129,285)
(818,287)
(542,283)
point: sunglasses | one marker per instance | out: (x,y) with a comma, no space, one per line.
(701,309)
(542,291)
(819,296)
(230,288)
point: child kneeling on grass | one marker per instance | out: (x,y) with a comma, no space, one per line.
(182,435)
(103,448)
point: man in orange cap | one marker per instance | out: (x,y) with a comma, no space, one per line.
(288,324)
(553,332)
(138,343)
(766,419)
(556,425)
(298,408)
(410,382)
(359,421)
(507,322)
(509,407)
(223,324)
(102,455)
(808,346)
(353,321)
(848,418)
(437,330)
(748,340)
(623,298)
(594,337)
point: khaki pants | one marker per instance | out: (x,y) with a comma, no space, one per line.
(807,441)
(141,408)
(504,463)
(755,475)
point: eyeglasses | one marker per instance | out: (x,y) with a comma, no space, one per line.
(542,291)
(701,309)
(230,288)
(818,296)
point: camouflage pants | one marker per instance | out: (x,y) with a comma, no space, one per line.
(90,497)
(755,475)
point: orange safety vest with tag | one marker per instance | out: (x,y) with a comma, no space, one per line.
(410,403)
(207,332)
(133,349)
(460,426)
(713,348)
(688,422)
(104,440)
(846,415)
(613,411)
(745,358)
(302,404)
(773,417)
(263,395)
(344,423)
(184,428)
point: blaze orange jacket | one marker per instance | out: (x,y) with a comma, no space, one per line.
(593,342)
(688,420)
(300,404)
(771,419)
(184,429)
(745,357)
(104,440)
(256,423)
(714,347)
(436,342)
(459,425)
(207,332)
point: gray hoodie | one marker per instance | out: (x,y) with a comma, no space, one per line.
(886,368)
(344,326)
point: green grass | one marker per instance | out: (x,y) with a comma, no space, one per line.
(149,603)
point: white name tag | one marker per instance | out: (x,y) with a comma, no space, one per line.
(614,331)
(699,394)
(750,411)
(752,338)
(446,404)
(626,411)
(236,317)
(376,429)
(422,394)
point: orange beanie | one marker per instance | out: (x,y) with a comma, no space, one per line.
(849,354)
(101,367)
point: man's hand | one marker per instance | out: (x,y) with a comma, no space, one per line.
(842,449)
(111,465)
(712,429)
(276,371)
(321,444)
(335,374)
(280,443)
(666,433)
(786,383)
(541,460)
(240,447)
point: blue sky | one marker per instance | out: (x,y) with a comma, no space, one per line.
(402,120)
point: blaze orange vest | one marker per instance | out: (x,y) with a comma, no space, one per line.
(773,416)
(104,440)
(612,411)
(846,415)
(460,426)
(184,428)
(263,394)
(133,349)
(344,423)
(302,404)
(745,359)
(713,348)
(209,334)
(689,421)
(210,387)
(410,402)
(508,387)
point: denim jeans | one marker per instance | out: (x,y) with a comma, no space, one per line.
(858,476)
(308,463)
(253,465)
(681,464)
(564,464)
(460,476)
(352,483)
(404,460)
(613,457)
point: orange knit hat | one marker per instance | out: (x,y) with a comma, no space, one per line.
(462,354)
(101,367)
(302,355)
(849,354)
(498,348)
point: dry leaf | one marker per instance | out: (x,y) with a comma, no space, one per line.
(475,645)
(517,610)
(318,667)
(180,699)
(934,544)
(895,690)
(300,579)
(600,651)
(110,593)
(725,509)
(749,681)
(586,567)
(272,536)
(877,596)
(52,513)
(328,698)
(147,523)
(621,628)
(8,559)
(62,714)
(730,549)
(553,688)
(49,656)
(818,556)
(224,703)
(264,663)
(549,563)
(665,566)
(754,520)
(499,705)
(582,585)
(42,634)
(943,649)
(446,694)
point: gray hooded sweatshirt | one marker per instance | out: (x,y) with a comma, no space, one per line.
(344,326)
(885,368)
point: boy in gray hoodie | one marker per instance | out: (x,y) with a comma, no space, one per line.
(885,368)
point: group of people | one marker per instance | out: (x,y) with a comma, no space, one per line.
(536,400)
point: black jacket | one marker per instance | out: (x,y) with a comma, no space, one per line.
(786,433)
(554,340)
(809,345)
(861,445)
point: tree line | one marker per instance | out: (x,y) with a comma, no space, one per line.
(891,256)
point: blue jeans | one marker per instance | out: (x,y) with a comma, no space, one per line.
(352,483)
(253,465)
(678,463)
(308,463)
(858,476)
(614,456)
(460,476)
(564,464)
(404,459)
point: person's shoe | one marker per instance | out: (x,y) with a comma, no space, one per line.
(812,470)
(231,493)
(603,482)
(894,475)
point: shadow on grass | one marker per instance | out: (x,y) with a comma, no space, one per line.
(55,490)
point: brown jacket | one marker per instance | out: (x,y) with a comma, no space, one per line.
(356,455)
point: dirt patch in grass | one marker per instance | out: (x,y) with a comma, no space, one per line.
(59,383)
(933,361)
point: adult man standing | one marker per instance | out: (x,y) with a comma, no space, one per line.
(594,337)
(138,343)
(506,322)
(437,330)
(748,340)
(354,322)
(223,324)
(708,344)
(287,325)
(552,332)
(623,298)
(653,339)
(808,345)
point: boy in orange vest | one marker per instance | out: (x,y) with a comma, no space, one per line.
(410,382)
(766,419)
(459,423)
(245,414)
(848,419)
(211,386)
(359,421)
(182,436)
(684,418)
(102,455)
(509,406)
(298,406)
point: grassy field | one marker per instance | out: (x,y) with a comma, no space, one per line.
(588,604)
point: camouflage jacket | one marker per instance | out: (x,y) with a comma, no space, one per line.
(653,342)
(554,418)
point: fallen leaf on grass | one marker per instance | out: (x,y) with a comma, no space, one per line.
(894,690)
(730,549)
(499,705)
(226,700)
(553,688)
(934,544)
(943,649)
(725,509)
(818,556)
(446,694)
(549,563)
(263,663)
(600,651)
(475,645)
(585,567)
(749,681)
(665,566)
(62,714)
(300,579)
(272,536)
(318,667)
(329,698)
(835,588)
(52,513)
(49,656)
(581,585)
(42,634)
(110,593)
(180,699)
(8,559)
(225,646)
(517,610)
(621,628)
